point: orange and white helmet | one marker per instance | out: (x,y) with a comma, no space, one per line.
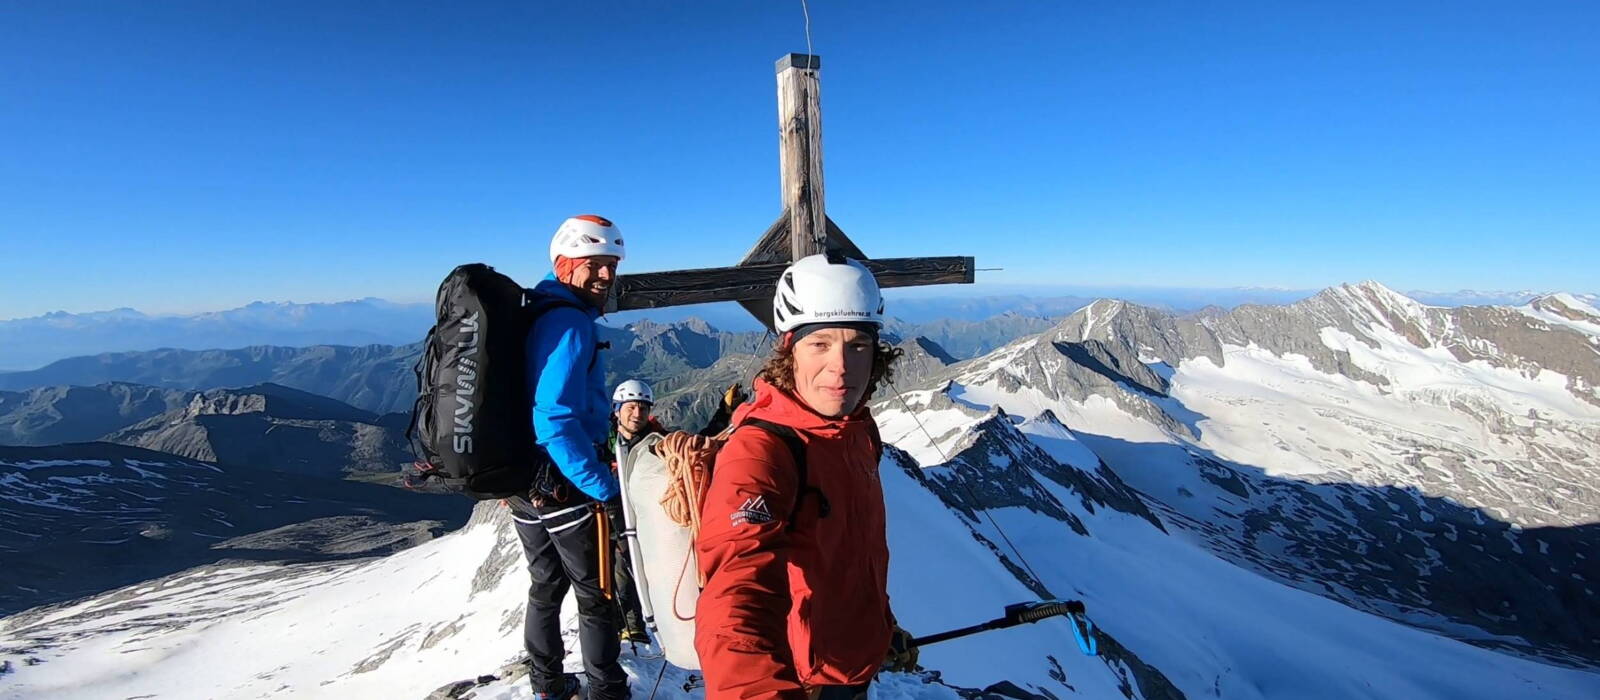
(586,236)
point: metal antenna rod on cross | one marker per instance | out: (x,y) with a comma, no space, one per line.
(802,229)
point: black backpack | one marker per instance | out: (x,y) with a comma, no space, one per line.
(472,423)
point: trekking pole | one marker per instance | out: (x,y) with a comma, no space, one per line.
(1023,613)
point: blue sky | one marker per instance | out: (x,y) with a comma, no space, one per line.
(179,156)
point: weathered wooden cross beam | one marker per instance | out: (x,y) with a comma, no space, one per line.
(803,229)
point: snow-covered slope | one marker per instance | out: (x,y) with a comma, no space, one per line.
(1494,407)
(1424,464)
(1208,627)
(986,509)
(86,518)
(1356,496)
(408,623)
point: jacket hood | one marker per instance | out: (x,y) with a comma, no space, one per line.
(552,287)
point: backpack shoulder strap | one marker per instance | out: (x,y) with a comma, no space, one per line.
(797,448)
(536,304)
(877,441)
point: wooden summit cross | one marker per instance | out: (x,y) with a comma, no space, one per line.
(803,229)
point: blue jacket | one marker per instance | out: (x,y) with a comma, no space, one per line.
(571,410)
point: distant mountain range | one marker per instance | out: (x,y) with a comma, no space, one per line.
(376,378)
(266,426)
(379,378)
(33,342)
(29,343)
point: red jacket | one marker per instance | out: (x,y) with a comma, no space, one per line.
(786,608)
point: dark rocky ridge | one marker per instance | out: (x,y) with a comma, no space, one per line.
(274,427)
(89,517)
(56,414)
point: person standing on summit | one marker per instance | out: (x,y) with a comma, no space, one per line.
(631,422)
(559,523)
(795,553)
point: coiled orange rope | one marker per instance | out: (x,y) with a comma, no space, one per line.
(688,459)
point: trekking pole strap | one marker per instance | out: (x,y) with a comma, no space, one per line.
(1083,630)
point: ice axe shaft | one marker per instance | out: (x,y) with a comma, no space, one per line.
(1023,613)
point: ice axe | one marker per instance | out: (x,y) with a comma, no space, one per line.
(1022,613)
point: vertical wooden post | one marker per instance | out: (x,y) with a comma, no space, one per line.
(800,152)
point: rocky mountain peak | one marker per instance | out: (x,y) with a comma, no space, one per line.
(1567,306)
(698,326)
(1371,300)
(923,345)
(1360,307)
(275,401)
(647,328)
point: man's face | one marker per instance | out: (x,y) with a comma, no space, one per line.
(831,369)
(633,417)
(593,277)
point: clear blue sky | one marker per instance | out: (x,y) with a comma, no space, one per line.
(176,156)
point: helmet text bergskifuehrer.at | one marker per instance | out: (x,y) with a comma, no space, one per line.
(826,289)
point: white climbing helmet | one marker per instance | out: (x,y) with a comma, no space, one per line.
(816,289)
(586,236)
(633,390)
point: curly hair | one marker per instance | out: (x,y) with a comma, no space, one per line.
(779,368)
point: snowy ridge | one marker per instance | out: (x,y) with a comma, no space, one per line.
(1201,625)
(1565,310)
(1504,407)
(1328,481)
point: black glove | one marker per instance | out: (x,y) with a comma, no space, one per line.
(902,656)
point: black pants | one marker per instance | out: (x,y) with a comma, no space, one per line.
(627,594)
(562,550)
(842,692)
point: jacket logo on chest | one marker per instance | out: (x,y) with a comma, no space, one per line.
(753,512)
